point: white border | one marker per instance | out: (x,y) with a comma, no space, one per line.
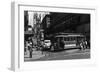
(18,35)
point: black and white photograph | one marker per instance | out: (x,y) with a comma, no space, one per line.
(56,36)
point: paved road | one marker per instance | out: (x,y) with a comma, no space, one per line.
(71,56)
(64,55)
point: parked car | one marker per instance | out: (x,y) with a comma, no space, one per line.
(47,44)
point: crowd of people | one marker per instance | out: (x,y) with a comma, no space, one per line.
(84,44)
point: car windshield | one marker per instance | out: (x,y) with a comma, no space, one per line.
(47,42)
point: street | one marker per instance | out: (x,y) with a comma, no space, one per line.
(60,55)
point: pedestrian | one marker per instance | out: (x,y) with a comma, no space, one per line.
(82,45)
(31,52)
(30,45)
(85,42)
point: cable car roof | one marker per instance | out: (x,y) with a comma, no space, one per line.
(72,35)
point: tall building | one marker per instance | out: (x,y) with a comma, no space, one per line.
(26,20)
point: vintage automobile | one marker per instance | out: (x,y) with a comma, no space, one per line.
(47,44)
